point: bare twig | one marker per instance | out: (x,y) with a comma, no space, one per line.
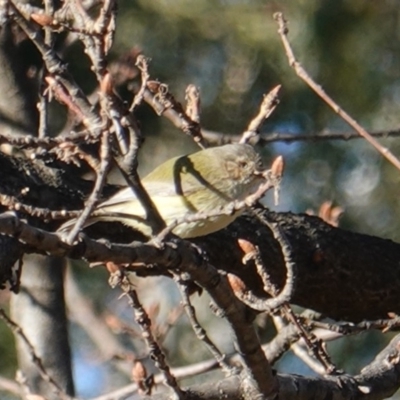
(199,330)
(302,74)
(193,103)
(105,24)
(35,358)
(43,110)
(56,67)
(95,34)
(98,186)
(153,216)
(282,298)
(347,328)
(142,63)
(27,141)
(219,138)
(304,353)
(144,322)
(267,107)
(164,103)
(127,162)
(314,345)
(43,103)
(64,97)
(69,152)
(12,203)
(113,108)
(182,372)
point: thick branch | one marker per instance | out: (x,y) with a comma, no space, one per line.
(342,274)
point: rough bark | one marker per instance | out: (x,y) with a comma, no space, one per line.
(342,274)
(39,307)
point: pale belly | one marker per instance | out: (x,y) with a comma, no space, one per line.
(203,227)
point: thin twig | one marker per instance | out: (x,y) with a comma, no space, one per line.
(37,361)
(144,322)
(43,110)
(113,109)
(314,344)
(93,34)
(302,74)
(27,141)
(300,351)
(105,24)
(13,204)
(158,96)
(347,328)
(218,138)
(199,330)
(43,102)
(267,107)
(127,159)
(98,186)
(56,67)
(142,63)
(64,97)
(252,253)
(153,217)
(193,103)
(282,298)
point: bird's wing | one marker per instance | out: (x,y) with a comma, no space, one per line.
(127,195)
(122,196)
(154,189)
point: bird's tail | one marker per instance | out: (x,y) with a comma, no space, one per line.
(99,215)
(68,225)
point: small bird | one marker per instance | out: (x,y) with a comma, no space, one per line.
(200,182)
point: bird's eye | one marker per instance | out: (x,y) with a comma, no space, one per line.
(242,164)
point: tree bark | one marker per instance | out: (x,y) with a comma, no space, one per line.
(342,274)
(39,308)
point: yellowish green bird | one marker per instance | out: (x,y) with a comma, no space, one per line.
(200,182)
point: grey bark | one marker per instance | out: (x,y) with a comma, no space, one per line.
(39,308)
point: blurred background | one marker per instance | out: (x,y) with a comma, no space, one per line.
(232,52)
(230,49)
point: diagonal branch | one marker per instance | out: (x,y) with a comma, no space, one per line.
(302,74)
